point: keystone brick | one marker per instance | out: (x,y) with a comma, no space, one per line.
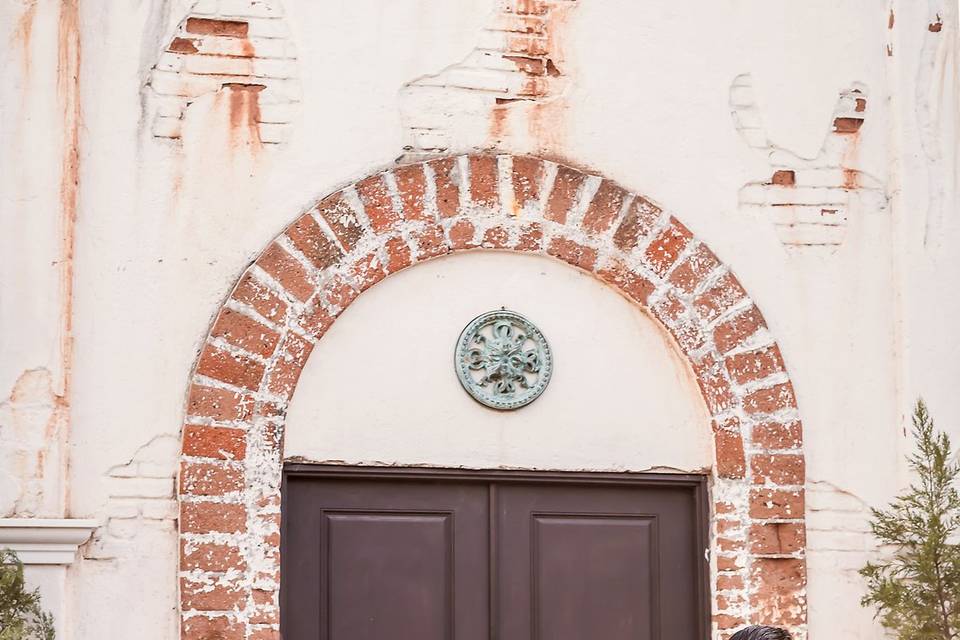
(604,208)
(484,190)
(566,185)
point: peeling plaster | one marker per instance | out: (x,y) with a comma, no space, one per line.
(808,200)
(495,97)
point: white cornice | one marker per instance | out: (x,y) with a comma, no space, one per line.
(43,540)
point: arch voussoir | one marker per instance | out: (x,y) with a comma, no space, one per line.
(294,291)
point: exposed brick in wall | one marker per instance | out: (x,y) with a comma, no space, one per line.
(807,200)
(516,61)
(239,46)
(141,493)
(286,300)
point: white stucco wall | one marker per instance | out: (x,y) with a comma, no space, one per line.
(379,390)
(163,229)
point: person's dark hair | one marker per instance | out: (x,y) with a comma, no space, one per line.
(761,633)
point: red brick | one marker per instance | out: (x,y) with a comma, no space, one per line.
(527,176)
(209,556)
(338,294)
(634,285)
(430,242)
(768,504)
(412,187)
(484,189)
(755,365)
(713,385)
(666,248)
(728,563)
(226,367)
(210,478)
(573,253)
(531,238)
(733,332)
(462,235)
(287,271)
(847,125)
(368,271)
(398,254)
(286,370)
(496,238)
(316,320)
(201,597)
(728,441)
(264,634)
(307,236)
(723,295)
(201,441)
(725,621)
(183,45)
(777,468)
(730,545)
(770,400)
(777,435)
(206,517)
(778,594)
(777,538)
(688,275)
(212,628)
(669,309)
(566,186)
(724,508)
(639,220)
(447,180)
(784,178)
(244,332)
(377,203)
(342,219)
(251,292)
(212,27)
(727,582)
(604,208)
(219,404)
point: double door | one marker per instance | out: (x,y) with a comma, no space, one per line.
(379,554)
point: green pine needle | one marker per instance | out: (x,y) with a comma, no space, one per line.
(21,617)
(917,591)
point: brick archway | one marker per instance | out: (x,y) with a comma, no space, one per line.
(248,368)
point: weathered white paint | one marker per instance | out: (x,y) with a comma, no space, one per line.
(164,229)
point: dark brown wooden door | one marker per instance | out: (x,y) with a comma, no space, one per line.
(390,554)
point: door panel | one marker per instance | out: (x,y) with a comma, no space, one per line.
(442,555)
(582,562)
(366,560)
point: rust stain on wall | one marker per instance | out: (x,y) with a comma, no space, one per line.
(24,34)
(68,93)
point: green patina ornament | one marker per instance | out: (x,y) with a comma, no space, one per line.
(503,360)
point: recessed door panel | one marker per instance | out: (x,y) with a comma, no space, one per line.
(371,560)
(583,562)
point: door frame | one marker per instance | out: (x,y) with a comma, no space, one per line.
(697,484)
